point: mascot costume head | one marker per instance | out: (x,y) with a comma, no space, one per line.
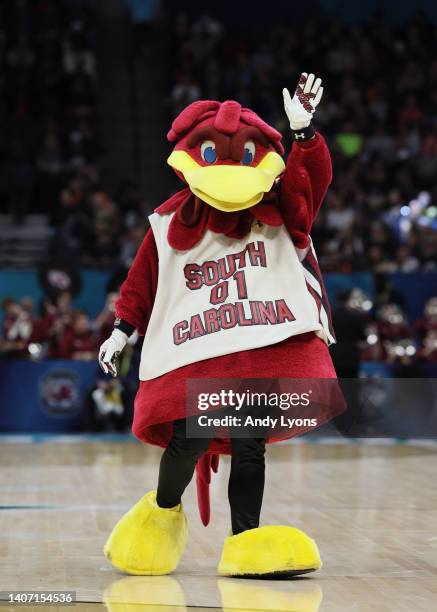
(230,159)
(228,156)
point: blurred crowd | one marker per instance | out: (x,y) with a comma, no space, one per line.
(56,330)
(47,100)
(49,152)
(96,229)
(379,330)
(392,339)
(378,114)
(60,331)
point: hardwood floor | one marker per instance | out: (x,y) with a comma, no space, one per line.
(371,508)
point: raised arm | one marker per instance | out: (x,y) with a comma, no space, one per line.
(309,170)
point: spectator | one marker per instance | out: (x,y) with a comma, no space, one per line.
(79,341)
(428,350)
(45,331)
(405,260)
(106,406)
(428,322)
(392,323)
(17,328)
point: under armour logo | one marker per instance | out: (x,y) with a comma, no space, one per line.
(300,135)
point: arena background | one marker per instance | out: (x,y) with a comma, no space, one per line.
(88,90)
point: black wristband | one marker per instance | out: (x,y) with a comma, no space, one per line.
(124,326)
(303,134)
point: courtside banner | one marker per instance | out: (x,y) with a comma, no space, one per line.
(278,409)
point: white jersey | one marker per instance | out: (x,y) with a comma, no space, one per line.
(226,295)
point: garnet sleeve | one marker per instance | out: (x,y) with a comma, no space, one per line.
(137,293)
(303,185)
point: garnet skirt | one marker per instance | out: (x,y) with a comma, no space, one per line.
(162,400)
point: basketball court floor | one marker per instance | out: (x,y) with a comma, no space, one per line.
(372,508)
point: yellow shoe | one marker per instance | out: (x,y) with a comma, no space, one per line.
(274,550)
(148,540)
(299,596)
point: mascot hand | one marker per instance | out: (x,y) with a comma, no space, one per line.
(301,107)
(110,350)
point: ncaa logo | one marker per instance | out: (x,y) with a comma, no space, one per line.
(59,393)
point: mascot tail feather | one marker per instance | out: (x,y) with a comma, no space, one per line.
(205,464)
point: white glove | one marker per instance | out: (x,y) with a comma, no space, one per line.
(110,350)
(301,108)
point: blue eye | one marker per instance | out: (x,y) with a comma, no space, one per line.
(249,153)
(208,152)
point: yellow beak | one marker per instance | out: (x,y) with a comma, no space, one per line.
(227,187)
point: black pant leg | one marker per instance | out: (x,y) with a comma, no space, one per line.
(177,465)
(246,482)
